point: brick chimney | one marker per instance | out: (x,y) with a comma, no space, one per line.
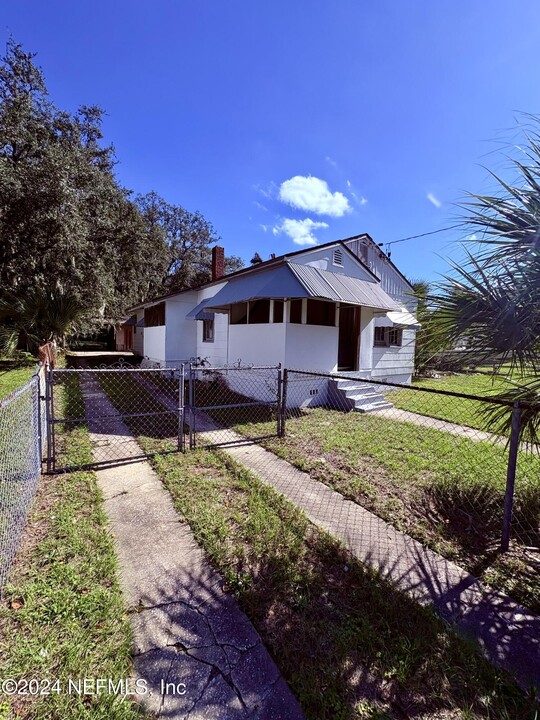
(218,262)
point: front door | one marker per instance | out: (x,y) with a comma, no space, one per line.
(349,328)
(128,337)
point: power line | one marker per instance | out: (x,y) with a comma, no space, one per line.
(413,237)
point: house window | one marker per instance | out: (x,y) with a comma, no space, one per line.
(208,330)
(239,313)
(395,336)
(155,315)
(278,311)
(388,337)
(320,312)
(296,311)
(259,312)
(338,258)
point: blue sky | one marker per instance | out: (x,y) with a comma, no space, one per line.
(298,121)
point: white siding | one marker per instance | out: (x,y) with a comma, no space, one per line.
(154,344)
(391,280)
(395,364)
(214,352)
(138,336)
(323,259)
(181,341)
(262,344)
(311,347)
(365,361)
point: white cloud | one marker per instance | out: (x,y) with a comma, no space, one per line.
(260,206)
(434,200)
(264,228)
(359,199)
(313,194)
(300,231)
(331,161)
(268,192)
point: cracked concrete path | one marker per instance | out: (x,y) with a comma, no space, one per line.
(191,640)
(464,431)
(508,634)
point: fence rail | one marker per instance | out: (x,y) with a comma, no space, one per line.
(424,459)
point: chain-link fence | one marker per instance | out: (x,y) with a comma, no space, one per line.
(229,405)
(22,423)
(434,464)
(117,407)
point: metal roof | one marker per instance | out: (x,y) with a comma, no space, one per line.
(199,312)
(342,288)
(292,280)
(273,283)
(404,318)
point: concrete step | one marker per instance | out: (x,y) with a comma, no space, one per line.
(372,407)
(348,384)
(361,396)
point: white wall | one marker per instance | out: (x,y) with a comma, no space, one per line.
(365,361)
(322,258)
(181,340)
(256,344)
(154,344)
(311,347)
(395,364)
(215,352)
(138,336)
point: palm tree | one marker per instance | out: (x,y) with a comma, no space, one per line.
(31,319)
(494,299)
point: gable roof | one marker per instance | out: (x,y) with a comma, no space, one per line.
(266,264)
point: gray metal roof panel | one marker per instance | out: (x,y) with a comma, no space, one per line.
(342,288)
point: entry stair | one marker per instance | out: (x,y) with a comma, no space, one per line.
(358,396)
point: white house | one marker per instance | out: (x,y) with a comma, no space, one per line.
(342,306)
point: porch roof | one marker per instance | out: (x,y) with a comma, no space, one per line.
(292,280)
(342,288)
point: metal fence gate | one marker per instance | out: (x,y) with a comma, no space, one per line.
(233,405)
(125,413)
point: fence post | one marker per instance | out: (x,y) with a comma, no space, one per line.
(279,398)
(181,442)
(284,402)
(48,405)
(38,412)
(511,477)
(191,409)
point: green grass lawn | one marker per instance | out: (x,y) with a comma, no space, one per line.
(62,614)
(452,409)
(14,372)
(444,490)
(335,629)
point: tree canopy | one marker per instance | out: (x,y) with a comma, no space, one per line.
(67,226)
(189,238)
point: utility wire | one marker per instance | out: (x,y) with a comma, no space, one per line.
(433,232)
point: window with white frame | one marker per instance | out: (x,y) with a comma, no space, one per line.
(208,330)
(388,337)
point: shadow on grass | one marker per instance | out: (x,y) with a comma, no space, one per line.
(343,636)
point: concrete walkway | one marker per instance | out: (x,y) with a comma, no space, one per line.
(190,638)
(453,428)
(508,635)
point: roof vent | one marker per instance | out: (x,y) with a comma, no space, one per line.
(338,258)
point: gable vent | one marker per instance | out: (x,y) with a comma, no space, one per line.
(338,258)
